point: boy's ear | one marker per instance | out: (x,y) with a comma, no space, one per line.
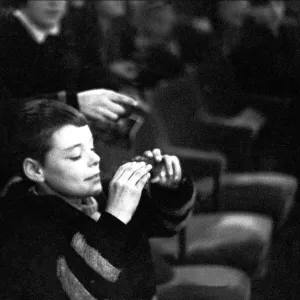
(33,170)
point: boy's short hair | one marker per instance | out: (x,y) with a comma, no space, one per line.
(34,126)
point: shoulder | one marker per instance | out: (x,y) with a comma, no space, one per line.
(30,241)
(8,21)
(33,232)
(12,32)
(25,223)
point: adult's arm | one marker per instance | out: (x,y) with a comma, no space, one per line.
(102,105)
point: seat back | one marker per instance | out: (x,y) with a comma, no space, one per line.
(217,80)
(175,103)
(170,121)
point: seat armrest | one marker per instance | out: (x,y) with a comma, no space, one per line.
(235,142)
(224,125)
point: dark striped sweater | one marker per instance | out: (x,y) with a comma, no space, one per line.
(56,252)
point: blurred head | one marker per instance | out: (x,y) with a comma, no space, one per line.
(233,12)
(156,19)
(53,147)
(45,14)
(110,8)
(268,12)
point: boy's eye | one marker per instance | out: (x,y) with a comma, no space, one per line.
(75,157)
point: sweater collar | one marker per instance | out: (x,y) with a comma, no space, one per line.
(87,205)
(36,33)
(50,205)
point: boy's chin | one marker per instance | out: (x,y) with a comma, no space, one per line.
(88,193)
(97,191)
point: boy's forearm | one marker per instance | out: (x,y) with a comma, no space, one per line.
(171,208)
(174,199)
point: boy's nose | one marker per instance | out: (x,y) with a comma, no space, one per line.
(94,158)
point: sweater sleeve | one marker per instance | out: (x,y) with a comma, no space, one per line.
(166,209)
(107,239)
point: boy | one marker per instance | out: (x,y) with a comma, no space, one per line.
(72,237)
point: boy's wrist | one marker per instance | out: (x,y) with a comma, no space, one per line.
(123,216)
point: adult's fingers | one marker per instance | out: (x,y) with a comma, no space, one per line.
(101,114)
(107,115)
(114,107)
(122,99)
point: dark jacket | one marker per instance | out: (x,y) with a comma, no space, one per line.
(29,69)
(54,251)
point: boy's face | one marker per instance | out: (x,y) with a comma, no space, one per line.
(71,167)
(45,14)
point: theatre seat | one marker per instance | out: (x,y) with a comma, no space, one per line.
(270,194)
(236,213)
(206,283)
(239,240)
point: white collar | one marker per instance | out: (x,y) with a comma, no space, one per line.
(37,34)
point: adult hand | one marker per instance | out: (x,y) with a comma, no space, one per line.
(125,189)
(170,173)
(104,106)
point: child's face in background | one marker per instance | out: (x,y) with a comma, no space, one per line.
(45,14)
(157,28)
